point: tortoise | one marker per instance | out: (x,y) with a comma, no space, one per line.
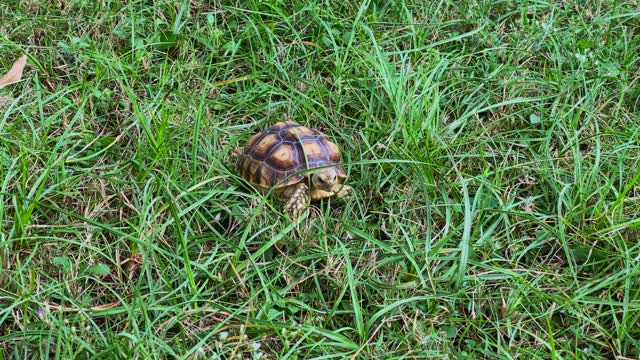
(278,159)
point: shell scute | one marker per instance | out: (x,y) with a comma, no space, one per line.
(283,157)
(252,141)
(261,148)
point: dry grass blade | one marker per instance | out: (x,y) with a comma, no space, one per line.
(93,308)
(15,73)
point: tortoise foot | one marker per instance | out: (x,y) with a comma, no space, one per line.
(344,192)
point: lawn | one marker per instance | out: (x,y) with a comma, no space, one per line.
(493,147)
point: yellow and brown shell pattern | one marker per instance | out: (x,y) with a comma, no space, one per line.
(276,156)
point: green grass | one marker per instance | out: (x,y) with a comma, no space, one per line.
(493,147)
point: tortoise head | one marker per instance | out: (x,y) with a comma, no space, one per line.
(325,179)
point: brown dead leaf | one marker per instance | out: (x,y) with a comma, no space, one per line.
(15,73)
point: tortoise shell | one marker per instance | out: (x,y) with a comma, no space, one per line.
(276,156)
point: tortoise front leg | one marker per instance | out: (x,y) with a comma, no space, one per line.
(342,191)
(338,191)
(318,194)
(298,200)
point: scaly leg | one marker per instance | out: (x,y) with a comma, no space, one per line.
(342,191)
(317,194)
(338,191)
(298,200)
